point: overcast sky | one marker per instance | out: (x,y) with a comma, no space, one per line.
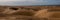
(29,2)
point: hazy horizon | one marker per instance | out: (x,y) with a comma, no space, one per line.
(29,2)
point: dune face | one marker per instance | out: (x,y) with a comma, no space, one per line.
(11,10)
(41,13)
(45,15)
(28,13)
(8,14)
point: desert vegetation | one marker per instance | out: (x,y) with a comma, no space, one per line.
(29,12)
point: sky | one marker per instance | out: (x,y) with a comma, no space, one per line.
(29,2)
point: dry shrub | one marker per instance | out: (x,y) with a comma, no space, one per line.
(55,15)
(2,9)
(27,13)
(35,9)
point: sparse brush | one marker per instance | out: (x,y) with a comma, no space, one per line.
(27,13)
